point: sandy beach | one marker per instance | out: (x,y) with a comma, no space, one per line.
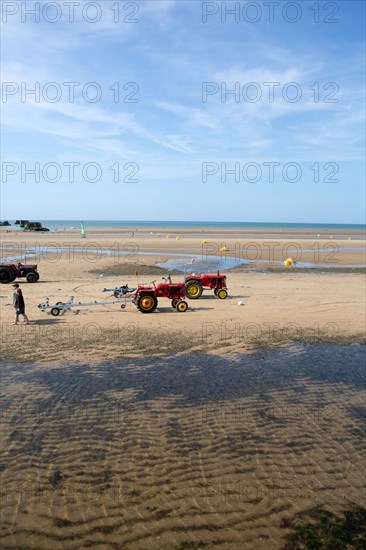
(211,428)
(279,303)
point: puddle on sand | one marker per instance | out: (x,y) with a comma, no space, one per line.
(140,453)
(210,263)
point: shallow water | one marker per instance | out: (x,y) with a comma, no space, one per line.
(169,452)
(213,263)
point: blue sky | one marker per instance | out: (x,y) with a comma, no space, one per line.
(166,140)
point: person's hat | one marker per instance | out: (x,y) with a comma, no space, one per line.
(16,285)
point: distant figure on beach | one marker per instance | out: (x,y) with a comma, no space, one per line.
(19,305)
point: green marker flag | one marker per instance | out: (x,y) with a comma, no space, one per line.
(82,230)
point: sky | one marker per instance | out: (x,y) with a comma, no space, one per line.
(183,110)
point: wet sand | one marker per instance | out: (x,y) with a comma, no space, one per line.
(196,451)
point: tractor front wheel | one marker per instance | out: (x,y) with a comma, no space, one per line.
(174,302)
(146,303)
(32,277)
(193,290)
(182,306)
(222,293)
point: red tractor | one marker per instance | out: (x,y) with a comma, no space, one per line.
(195,283)
(146,296)
(10,272)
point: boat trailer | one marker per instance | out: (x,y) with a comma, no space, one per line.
(61,307)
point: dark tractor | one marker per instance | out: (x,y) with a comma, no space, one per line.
(146,296)
(10,272)
(195,283)
(34,226)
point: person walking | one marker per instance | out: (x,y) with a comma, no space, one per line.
(19,305)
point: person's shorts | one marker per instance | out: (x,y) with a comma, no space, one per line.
(20,310)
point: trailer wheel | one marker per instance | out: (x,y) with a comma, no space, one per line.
(123,306)
(193,290)
(222,293)
(182,306)
(55,311)
(32,277)
(146,303)
(174,302)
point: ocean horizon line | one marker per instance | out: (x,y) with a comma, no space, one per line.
(196,223)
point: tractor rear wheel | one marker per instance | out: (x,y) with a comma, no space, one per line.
(146,303)
(193,290)
(7,275)
(32,277)
(222,293)
(182,306)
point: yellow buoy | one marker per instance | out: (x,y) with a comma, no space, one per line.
(289,262)
(158,234)
(224,249)
(177,238)
(349,239)
(204,241)
(168,236)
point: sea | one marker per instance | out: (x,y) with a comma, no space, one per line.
(56,225)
